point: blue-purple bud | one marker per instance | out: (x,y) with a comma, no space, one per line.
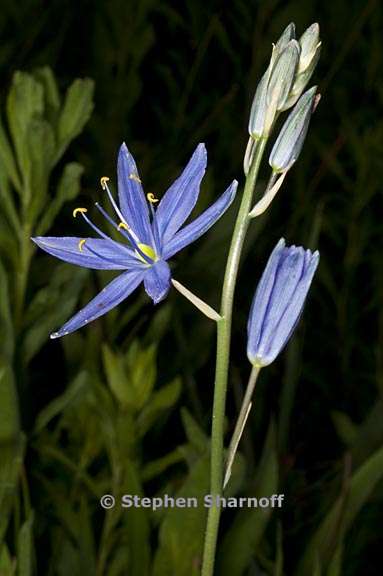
(279,301)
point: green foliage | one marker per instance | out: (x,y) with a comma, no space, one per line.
(248,527)
(182,529)
(24,548)
(33,136)
(328,538)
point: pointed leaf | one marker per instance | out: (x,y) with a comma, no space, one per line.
(6,324)
(118,379)
(142,370)
(9,411)
(25,103)
(41,145)
(12,453)
(7,160)
(74,391)
(194,433)
(25,548)
(159,402)
(7,564)
(68,188)
(78,107)
(46,77)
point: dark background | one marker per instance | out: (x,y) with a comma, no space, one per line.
(167,76)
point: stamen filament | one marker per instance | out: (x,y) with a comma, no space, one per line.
(81,244)
(95,228)
(120,227)
(105,186)
(128,234)
(156,232)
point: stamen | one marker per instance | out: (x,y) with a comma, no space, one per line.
(129,234)
(118,227)
(81,244)
(96,228)
(80,210)
(134,177)
(105,186)
(152,199)
(156,232)
(103,181)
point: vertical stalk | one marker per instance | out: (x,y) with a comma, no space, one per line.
(222,359)
(22,273)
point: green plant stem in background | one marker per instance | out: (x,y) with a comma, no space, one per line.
(222,360)
(25,255)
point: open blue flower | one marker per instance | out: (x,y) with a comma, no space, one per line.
(278,301)
(152,235)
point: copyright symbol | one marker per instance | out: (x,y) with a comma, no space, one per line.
(107,501)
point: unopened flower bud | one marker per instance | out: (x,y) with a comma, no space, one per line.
(287,35)
(310,46)
(259,107)
(278,301)
(293,133)
(309,43)
(281,81)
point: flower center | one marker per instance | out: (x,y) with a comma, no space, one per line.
(148,251)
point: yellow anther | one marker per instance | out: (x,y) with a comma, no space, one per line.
(152,199)
(81,210)
(81,244)
(134,177)
(103,182)
(123,225)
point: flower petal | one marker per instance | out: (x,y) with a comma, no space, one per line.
(200,225)
(157,281)
(261,299)
(288,275)
(133,204)
(112,255)
(180,199)
(293,311)
(108,298)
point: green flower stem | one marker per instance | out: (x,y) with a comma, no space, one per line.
(222,360)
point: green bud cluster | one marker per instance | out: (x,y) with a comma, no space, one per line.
(290,69)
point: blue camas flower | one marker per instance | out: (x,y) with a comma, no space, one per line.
(278,301)
(150,236)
